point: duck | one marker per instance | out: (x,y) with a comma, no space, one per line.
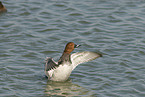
(2,7)
(61,70)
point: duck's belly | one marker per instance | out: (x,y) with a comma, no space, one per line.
(62,73)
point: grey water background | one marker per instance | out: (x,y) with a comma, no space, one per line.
(32,30)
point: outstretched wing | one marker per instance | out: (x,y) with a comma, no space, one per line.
(81,57)
(50,64)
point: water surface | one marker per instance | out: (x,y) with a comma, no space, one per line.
(32,30)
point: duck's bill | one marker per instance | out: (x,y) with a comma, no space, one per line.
(76,46)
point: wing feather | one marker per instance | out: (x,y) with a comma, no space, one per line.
(81,57)
(50,64)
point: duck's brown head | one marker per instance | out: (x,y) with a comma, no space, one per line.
(70,47)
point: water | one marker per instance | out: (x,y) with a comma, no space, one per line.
(32,30)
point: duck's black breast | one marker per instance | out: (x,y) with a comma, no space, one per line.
(64,58)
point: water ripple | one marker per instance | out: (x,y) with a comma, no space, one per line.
(32,30)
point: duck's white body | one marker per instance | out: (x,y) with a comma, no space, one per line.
(63,71)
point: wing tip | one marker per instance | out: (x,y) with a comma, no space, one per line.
(97,54)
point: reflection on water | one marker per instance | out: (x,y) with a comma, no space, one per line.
(64,89)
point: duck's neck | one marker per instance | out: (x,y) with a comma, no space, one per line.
(64,58)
